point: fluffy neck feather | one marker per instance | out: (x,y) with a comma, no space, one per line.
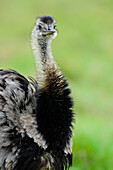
(43,55)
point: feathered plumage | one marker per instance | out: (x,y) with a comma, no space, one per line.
(36,116)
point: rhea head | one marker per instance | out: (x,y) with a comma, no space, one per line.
(45,27)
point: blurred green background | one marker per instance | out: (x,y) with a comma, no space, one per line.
(84,51)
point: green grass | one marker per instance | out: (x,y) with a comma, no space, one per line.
(84,51)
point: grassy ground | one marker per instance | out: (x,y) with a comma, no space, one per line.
(84,51)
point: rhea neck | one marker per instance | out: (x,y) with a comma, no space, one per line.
(44,49)
(41,46)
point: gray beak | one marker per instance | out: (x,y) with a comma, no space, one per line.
(49,32)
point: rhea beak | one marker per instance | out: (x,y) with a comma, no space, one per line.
(48,32)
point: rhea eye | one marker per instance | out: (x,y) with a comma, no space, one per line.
(40,27)
(54,26)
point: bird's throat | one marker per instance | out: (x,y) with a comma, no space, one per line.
(44,47)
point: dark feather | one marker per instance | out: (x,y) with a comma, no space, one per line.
(47,19)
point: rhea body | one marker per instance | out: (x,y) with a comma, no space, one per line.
(36,124)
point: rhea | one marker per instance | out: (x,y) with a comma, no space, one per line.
(36,116)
